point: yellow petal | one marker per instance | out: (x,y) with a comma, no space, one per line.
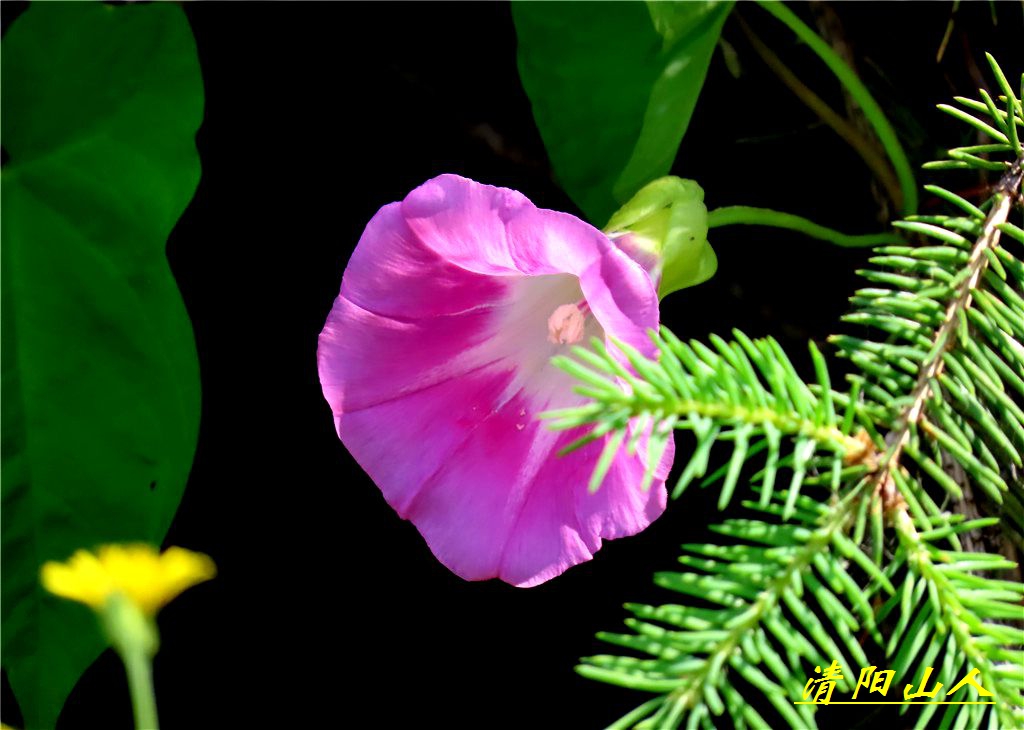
(139,572)
(82,579)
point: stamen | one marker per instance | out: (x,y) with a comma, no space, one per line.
(565,325)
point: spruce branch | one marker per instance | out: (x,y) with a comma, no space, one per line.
(968,608)
(746,393)
(853,572)
(959,302)
(763,584)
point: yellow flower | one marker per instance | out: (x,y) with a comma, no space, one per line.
(138,572)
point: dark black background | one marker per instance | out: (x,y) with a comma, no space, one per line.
(329,611)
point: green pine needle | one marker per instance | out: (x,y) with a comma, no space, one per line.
(852,552)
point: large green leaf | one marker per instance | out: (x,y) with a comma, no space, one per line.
(100,375)
(613,87)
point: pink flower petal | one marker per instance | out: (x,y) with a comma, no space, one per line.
(393,274)
(498,231)
(399,443)
(436,361)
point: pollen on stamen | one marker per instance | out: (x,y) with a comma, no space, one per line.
(565,325)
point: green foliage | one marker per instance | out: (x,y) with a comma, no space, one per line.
(613,87)
(860,559)
(100,379)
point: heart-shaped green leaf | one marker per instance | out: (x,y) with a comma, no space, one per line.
(613,87)
(100,375)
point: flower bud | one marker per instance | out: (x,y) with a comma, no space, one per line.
(664,228)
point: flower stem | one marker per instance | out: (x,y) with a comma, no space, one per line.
(731,215)
(133,635)
(873,113)
(140,685)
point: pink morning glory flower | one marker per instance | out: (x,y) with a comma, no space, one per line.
(436,361)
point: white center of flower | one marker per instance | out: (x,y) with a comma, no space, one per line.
(565,325)
(541,317)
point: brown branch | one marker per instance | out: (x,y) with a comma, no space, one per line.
(875,161)
(1004,195)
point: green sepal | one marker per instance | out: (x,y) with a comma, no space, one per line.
(667,221)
